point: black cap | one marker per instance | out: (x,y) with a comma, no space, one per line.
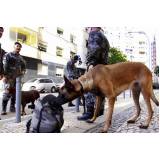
(76,57)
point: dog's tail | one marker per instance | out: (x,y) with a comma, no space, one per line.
(154,99)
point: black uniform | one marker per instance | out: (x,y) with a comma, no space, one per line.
(71,70)
(71,73)
(14,66)
(5,98)
(98,48)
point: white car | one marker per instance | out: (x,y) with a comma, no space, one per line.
(40,84)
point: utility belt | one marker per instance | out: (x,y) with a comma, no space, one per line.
(14,71)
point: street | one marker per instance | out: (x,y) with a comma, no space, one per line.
(124,109)
(29,111)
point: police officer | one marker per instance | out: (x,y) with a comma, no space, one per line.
(13,63)
(71,71)
(14,66)
(97,53)
(2,52)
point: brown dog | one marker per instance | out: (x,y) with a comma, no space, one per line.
(28,97)
(110,81)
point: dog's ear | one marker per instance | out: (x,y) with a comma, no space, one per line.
(68,83)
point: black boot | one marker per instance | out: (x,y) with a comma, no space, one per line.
(70,104)
(87,115)
(4,107)
(12,106)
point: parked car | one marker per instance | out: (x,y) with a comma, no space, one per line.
(41,84)
(59,85)
(155,82)
(155,85)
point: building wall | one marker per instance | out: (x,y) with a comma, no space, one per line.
(32,70)
(127,40)
(49,61)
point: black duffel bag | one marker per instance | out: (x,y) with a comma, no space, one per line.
(47,116)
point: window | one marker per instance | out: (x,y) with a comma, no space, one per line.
(141,52)
(59,31)
(24,35)
(45,81)
(141,42)
(48,81)
(42,69)
(59,51)
(41,81)
(59,72)
(72,54)
(42,46)
(72,38)
(21,37)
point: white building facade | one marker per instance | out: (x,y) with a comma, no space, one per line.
(135,44)
(46,49)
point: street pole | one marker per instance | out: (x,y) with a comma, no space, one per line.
(77,104)
(18,99)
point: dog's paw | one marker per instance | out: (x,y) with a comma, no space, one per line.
(23,114)
(142,126)
(89,121)
(131,121)
(102,131)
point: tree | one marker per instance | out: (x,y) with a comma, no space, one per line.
(115,56)
(156,71)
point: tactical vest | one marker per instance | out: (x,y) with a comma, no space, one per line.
(13,64)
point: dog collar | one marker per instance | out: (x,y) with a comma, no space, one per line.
(86,81)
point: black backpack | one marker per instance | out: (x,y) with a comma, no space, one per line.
(47,116)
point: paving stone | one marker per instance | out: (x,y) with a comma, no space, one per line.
(72,125)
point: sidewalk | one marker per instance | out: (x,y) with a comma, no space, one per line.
(123,111)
